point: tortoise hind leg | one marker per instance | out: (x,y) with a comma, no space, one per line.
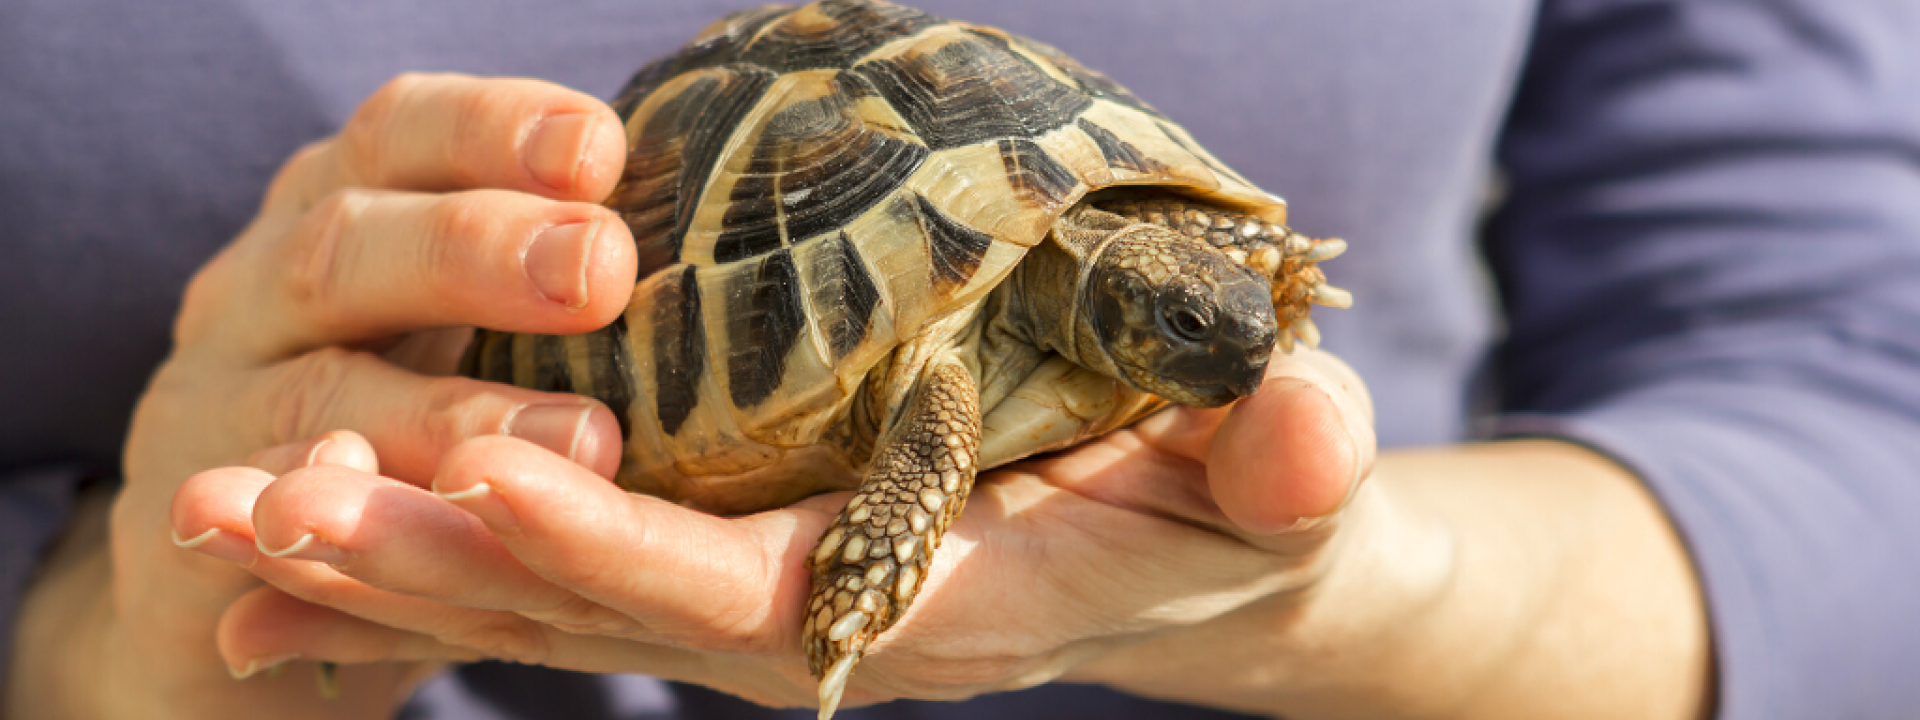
(873,558)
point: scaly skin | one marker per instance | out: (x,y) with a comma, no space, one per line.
(1288,258)
(874,557)
(871,561)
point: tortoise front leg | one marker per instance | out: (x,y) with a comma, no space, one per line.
(875,555)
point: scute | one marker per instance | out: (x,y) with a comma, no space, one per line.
(1119,153)
(833,35)
(716,45)
(810,187)
(679,345)
(844,296)
(816,159)
(764,318)
(782,126)
(675,138)
(963,88)
(1035,176)
(1092,82)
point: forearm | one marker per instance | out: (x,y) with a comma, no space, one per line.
(1516,579)
(1604,618)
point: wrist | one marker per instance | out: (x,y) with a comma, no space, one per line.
(1568,595)
(1333,640)
(1506,580)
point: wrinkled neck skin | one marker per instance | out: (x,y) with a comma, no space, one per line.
(1049,289)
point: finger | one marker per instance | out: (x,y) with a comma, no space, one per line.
(313,612)
(691,578)
(269,626)
(212,513)
(413,421)
(489,633)
(360,691)
(400,538)
(1295,451)
(339,447)
(367,265)
(451,132)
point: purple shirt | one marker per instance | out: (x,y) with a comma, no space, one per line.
(1707,261)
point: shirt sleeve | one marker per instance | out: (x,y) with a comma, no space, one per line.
(34,507)
(1710,262)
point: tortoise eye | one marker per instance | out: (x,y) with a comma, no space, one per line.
(1187,324)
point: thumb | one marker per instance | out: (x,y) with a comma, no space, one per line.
(1295,450)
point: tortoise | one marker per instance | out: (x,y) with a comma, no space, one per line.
(881,251)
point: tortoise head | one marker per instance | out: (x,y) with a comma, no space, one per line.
(1178,318)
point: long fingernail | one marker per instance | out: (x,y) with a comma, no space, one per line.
(481,500)
(554,427)
(258,664)
(557,147)
(309,548)
(313,453)
(219,543)
(556,262)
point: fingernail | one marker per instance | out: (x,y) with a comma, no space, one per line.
(557,147)
(483,502)
(554,427)
(309,548)
(556,262)
(220,544)
(313,454)
(258,664)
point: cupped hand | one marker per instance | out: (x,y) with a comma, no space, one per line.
(1063,566)
(444,202)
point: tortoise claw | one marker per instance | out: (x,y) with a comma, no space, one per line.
(834,684)
(1331,296)
(1327,249)
(1309,333)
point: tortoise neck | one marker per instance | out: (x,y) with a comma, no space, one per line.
(1051,287)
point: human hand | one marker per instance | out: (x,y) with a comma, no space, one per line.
(1141,535)
(444,202)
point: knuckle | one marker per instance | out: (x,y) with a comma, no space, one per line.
(204,299)
(486,117)
(457,225)
(452,409)
(308,392)
(311,282)
(300,176)
(361,137)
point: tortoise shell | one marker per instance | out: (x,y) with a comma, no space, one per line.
(811,187)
